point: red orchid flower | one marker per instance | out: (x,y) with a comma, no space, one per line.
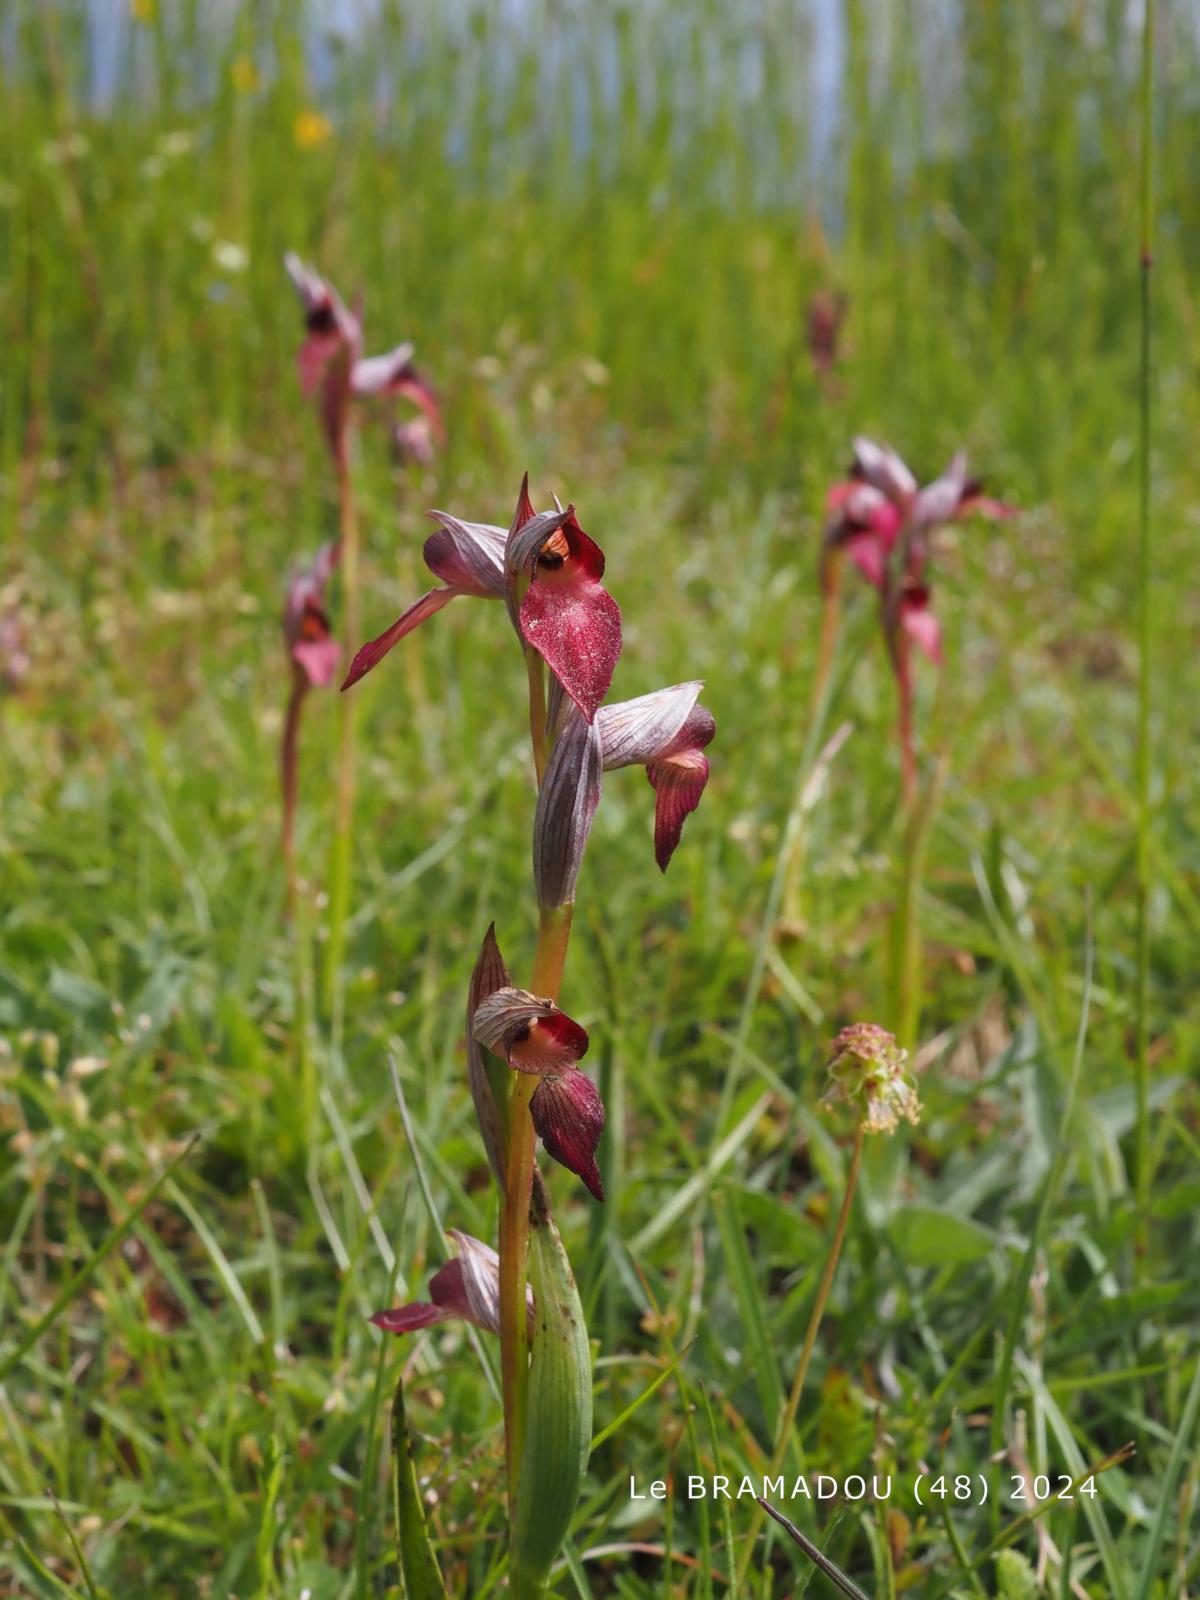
(469,559)
(666,732)
(332,365)
(533,1035)
(557,603)
(467,1287)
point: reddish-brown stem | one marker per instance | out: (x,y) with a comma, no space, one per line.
(289,778)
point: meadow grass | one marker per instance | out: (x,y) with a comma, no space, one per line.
(603,231)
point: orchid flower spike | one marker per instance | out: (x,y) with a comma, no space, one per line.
(332,364)
(306,628)
(469,559)
(667,732)
(867,1070)
(467,1287)
(879,507)
(557,603)
(533,1035)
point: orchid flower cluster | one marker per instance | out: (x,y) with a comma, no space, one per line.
(523,1050)
(334,372)
(883,520)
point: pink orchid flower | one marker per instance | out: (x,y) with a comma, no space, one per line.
(533,1035)
(467,1288)
(333,367)
(306,628)
(883,519)
(313,653)
(881,505)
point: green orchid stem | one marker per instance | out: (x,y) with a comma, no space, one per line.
(831,621)
(341,856)
(554,932)
(788,1420)
(907,963)
(1142,1161)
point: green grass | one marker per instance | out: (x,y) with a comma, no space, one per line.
(623,315)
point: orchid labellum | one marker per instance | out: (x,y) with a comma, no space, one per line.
(313,653)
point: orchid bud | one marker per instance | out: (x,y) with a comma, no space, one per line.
(566,805)
(866,1070)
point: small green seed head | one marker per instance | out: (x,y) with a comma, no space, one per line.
(866,1070)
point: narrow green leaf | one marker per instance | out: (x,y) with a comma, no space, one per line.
(558,1426)
(422,1579)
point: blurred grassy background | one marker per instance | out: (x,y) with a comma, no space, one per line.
(604,228)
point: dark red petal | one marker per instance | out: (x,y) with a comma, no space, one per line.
(582,546)
(408,1319)
(448,1291)
(575,626)
(678,782)
(373,653)
(568,1114)
(550,1044)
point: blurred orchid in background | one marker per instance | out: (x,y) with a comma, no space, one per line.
(313,653)
(883,519)
(333,367)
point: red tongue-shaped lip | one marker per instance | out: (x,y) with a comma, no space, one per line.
(570,619)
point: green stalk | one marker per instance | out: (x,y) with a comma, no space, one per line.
(906,928)
(1144,881)
(340,861)
(788,1419)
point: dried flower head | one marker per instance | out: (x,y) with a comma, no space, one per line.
(866,1070)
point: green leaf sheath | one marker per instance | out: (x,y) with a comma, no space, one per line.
(558,1426)
(422,1579)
